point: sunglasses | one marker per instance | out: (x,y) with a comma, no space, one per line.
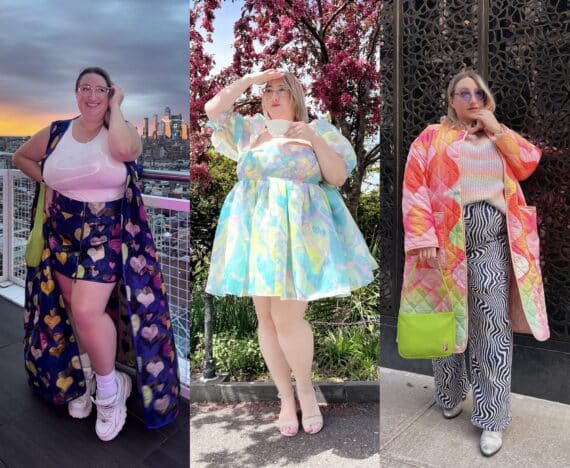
(466,96)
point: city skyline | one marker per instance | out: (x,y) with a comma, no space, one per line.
(42,53)
(170,125)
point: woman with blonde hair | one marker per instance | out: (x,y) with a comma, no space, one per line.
(284,235)
(465,216)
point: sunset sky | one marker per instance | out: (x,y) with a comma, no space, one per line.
(143,44)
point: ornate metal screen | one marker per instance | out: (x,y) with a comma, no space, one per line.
(523,49)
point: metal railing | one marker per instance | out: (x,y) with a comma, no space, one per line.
(169,220)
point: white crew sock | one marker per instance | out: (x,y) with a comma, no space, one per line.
(106,385)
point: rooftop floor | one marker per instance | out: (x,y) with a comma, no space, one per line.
(36,434)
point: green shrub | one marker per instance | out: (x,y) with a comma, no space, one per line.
(240,357)
(348,353)
(361,305)
(340,354)
(230,314)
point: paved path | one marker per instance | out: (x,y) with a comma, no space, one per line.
(243,435)
(414,433)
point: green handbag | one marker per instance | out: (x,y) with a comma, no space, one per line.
(35,244)
(425,334)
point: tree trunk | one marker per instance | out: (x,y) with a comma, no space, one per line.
(352,191)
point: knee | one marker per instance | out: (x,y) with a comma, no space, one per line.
(84,316)
(287,324)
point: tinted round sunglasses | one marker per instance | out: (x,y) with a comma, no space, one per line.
(466,96)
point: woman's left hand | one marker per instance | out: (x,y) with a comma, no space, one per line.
(489,121)
(116,95)
(301,131)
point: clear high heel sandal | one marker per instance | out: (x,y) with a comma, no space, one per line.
(290,427)
(314,422)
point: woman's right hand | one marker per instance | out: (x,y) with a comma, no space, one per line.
(425,253)
(259,78)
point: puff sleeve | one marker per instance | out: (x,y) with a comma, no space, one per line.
(234,133)
(336,141)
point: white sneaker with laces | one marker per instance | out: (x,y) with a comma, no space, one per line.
(112,411)
(81,407)
(491,442)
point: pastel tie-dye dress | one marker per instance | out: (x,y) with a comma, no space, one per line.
(282,230)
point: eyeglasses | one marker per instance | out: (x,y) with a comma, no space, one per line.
(281,91)
(466,96)
(86,90)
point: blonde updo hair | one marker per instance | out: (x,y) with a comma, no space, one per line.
(299,106)
(451,117)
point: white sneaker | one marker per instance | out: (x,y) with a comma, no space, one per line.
(81,407)
(491,442)
(112,411)
(453,412)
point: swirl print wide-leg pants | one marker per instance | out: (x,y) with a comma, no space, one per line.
(486,364)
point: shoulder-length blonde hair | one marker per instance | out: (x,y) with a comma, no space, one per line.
(451,117)
(299,106)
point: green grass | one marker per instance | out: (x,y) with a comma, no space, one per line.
(340,354)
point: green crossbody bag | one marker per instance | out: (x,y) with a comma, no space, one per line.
(35,244)
(425,334)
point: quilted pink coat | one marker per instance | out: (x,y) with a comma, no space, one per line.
(433,217)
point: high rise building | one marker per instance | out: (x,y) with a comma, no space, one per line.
(155,128)
(171,126)
(145,129)
(176,126)
(166,122)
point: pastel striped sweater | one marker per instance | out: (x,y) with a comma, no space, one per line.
(482,173)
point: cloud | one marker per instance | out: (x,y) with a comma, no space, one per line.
(142,43)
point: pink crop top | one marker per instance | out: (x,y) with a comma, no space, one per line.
(85,171)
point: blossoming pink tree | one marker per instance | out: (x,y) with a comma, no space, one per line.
(333,43)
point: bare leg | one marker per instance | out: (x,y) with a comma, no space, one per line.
(296,340)
(276,362)
(94,326)
(65,285)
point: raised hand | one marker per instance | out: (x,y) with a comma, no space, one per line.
(476,126)
(264,76)
(488,121)
(116,96)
